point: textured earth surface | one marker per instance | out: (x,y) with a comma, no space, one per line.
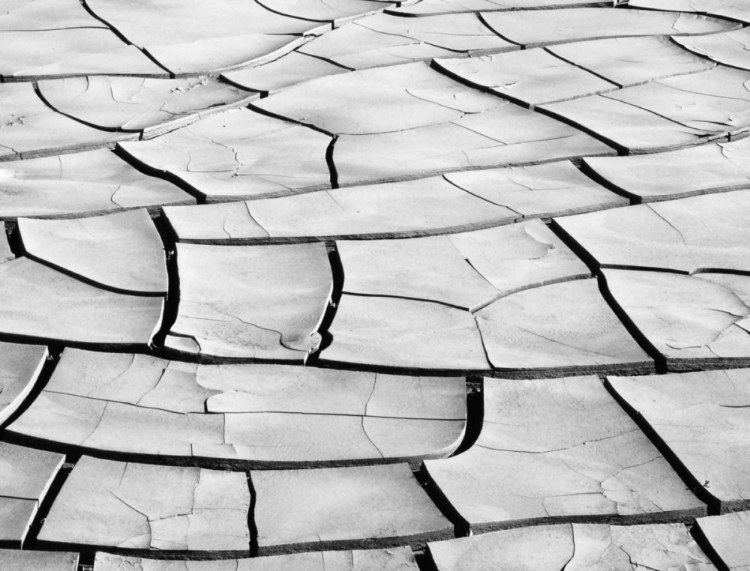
(375,285)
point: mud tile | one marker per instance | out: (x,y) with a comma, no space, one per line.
(239,154)
(31,15)
(709,168)
(137,104)
(379,100)
(690,320)
(538,190)
(561,327)
(122,251)
(38,560)
(144,507)
(595,547)
(594,465)
(393,559)
(404,334)
(40,302)
(730,48)
(428,7)
(688,235)
(531,76)
(263,302)
(631,128)
(31,128)
(376,506)
(286,71)
(630,61)
(520,256)
(76,51)
(413,208)
(728,535)
(336,11)
(92,182)
(20,366)
(701,419)
(388,40)
(506,135)
(192,36)
(545,27)
(429,269)
(735,9)
(25,476)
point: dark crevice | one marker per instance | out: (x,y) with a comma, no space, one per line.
(337,275)
(54,352)
(587,70)
(147,170)
(273,115)
(251,525)
(14,238)
(586,169)
(705,545)
(486,24)
(48,500)
(687,477)
(331,164)
(621,150)
(172,301)
(474,413)
(460,525)
(123,38)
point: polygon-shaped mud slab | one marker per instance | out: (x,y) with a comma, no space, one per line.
(20,366)
(729,536)
(334,11)
(137,104)
(239,154)
(37,301)
(701,420)
(574,546)
(390,40)
(344,508)
(630,61)
(15,560)
(688,235)
(538,190)
(257,415)
(31,128)
(530,76)
(399,333)
(392,559)
(72,51)
(428,7)
(563,327)
(403,209)
(121,251)
(379,100)
(506,135)
(467,270)
(629,128)
(734,9)
(27,16)
(92,182)
(284,72)
(191,36)
(713,167)
(251,302)
(730,48)
(544,27)
(692,321)
(25,477)
(140,507)
(558,451)
(714,102)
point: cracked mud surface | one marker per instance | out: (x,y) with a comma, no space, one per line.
(374,285)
